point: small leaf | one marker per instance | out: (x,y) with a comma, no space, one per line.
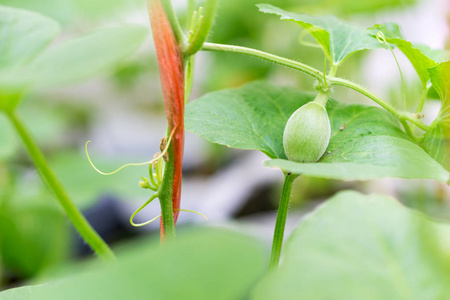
(366,142)
(337,38)
(437,141)
(440,79)
(200,264)
(82,57)
(362,247)
(23,34)
(418,55)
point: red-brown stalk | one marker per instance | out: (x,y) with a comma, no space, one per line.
(171,71)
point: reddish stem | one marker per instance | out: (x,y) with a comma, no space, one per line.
(171,71)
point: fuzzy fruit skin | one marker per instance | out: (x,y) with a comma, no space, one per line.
(307,133)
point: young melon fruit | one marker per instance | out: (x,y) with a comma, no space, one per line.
(307,133)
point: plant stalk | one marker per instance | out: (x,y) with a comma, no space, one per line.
(266,56)
(76,217)
(283,208)
(165,198)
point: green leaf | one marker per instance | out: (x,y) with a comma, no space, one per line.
(438,55)
(437,140)
(436,143)
(362,247)
(337,38)
(201,264)
(366,142)
(23,34)
(421,57)
(82,57)
(251,117)
(440,79)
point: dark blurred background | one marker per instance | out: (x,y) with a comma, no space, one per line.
(122,113)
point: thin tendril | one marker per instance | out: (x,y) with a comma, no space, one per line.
(382,39)
(129,164)
(192,211)
(153,197)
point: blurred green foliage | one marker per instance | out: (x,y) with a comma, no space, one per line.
(29,219)
(202,264)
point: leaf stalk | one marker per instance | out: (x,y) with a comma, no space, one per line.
(76,217)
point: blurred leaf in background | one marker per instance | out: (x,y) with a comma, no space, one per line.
(201,264)
(34,231)
(70,12)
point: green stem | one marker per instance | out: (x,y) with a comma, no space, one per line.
(173,20)
(408,129)
(266,56)
(165,197)
(189,78)
(316,74)
(422,99)
(75,216)
(205,23)
(399,115)
(333,70)
(278,234)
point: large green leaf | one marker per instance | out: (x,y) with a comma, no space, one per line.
(366,142)
(23,34)
(88,55)
(202,264)
(251,117)
(362,247)
(421,57)
(337,38)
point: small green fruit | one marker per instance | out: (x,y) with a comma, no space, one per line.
(307,133)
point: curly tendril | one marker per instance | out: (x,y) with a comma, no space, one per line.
(155,159)
(382,39)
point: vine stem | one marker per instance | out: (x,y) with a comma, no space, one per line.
(399,115)
(266,56)
(331,80)
(422,99)
(76,217)
(165,198)
(280,225)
